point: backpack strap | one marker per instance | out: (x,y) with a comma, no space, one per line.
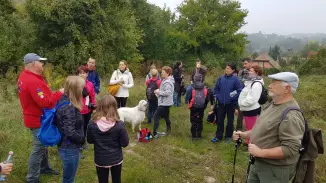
(304,138)
(288,109)
(205,91)
(256,82)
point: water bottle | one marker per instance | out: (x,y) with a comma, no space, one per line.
(232,94)
(9,160)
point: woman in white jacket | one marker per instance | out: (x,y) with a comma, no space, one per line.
(249,96)
(124,77)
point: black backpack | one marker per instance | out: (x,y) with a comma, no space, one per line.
(264,93)
(151,87)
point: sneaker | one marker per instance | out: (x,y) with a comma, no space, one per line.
(228,140)
(85,146)
(161,133)
(50,172)
(155,136)
(196,138)
(215,140)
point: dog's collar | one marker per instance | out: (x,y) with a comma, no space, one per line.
(143,110)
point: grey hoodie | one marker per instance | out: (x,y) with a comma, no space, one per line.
(165,93)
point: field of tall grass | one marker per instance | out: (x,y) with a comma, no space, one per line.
(175,158)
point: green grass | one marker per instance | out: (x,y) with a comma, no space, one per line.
(173,158)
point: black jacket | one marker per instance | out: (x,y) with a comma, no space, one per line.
(70,124)
(107,145)
(177,76)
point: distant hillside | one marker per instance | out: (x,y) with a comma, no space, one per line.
(260,42)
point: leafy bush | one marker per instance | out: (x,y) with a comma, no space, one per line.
(315,64)
(55,76)
(310,96)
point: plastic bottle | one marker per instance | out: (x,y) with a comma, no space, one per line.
(232,94)
(9,160)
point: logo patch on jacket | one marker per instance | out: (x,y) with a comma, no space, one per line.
(39,92)
(20,83)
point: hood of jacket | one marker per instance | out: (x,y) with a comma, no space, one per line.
(105,125)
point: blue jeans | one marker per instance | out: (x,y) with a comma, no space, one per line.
(188,94)
(152,106)
(38,160)
(176,99)
(70,160)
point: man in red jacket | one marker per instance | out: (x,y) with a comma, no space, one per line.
(34,95)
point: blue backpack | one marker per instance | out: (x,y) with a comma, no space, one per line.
(49,134)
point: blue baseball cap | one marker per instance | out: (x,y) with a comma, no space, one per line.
(31,57)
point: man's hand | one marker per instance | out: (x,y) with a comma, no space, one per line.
(62,90)
(156,91)
(238,134)
(6,168)
(254,150)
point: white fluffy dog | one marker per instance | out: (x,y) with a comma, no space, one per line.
(134,115)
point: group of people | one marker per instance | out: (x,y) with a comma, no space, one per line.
(273,142)
(74,118)
(81,118)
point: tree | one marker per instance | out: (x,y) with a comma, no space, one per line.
(154,23)
(254,55)
(210,26)
(311,46)
(315,64)
(71,31)
(275,52)
(16,37)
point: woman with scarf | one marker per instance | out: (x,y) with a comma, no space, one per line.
(124,77)
(249,96)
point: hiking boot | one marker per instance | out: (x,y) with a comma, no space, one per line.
(50,172)
(215,140)
(228,140)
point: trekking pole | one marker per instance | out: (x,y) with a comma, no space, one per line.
(237,145)
(251,161)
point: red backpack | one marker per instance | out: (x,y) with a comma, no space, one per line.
(144,135)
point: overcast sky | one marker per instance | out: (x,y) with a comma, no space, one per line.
(277,16)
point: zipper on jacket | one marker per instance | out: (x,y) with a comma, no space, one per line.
(226,84)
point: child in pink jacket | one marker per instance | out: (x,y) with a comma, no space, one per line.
(89,100)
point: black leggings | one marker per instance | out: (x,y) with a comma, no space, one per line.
(87,118)
(121,101)
(103,174)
